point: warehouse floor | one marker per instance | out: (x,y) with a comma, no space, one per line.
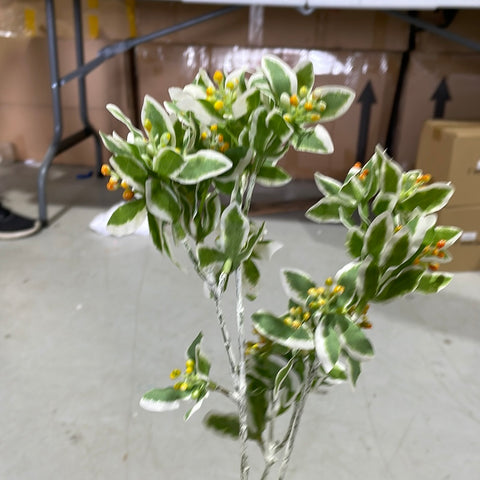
(88,323)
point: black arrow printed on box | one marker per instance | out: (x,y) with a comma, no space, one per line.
(366,99)
(441,96)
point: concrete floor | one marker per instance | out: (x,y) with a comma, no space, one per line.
(89,323)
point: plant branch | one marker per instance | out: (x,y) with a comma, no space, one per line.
(242,377)
(295,420)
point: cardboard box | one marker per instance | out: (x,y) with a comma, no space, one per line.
(26,106)
(276,27)
(450,151)
(463,23)
(101,19)
(466,251)
(445,86)
(162,66)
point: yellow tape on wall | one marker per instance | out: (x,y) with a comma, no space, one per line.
(30,22)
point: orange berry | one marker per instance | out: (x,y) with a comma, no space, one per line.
(112,185)
(441,243)
(127,195)
(434,267)
(293,100)
(105,170)
(308,106)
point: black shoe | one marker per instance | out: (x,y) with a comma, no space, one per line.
(15,226)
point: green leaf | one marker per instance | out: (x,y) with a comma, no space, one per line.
(158,117)
(406,282)
(338,100)
(428,199)
(161,201)
(128,218)
(327,185)
(223,423)
(367,281)
(167,162)
(347,277)
(305,74)
(155,234)
(377,235)
(279,75)
(209,256)
(354,369)
(163,399)
(296,284)
(234,231)
(192,349)
(276,330)
(313,140)
(200,166)
(433,282)
(276,123)
(251,277)
(327,346)
(270,176)
(384,202)
(354,241)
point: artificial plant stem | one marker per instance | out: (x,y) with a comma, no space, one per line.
(242,376)
(215,291)
(295,421)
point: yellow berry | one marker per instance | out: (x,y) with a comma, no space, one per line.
(204,135)
(287,118)
(312,291)
(210,91)
(303,92)
(329,281)
(189,363)
(339,289)
(322,106)
(124,184)
(306,316)
(148,125)
(106,170)
(175,373)
(293,100)
(183,386)
(288,321)
(320,290)
(213,128)
(314,117)
(322,302)
(296,324)
(308,106)
(230,85)
(218,76)
(218,105)
(188,370)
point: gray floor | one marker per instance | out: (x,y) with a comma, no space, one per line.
(88,323)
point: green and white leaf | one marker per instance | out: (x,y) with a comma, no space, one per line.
(161,201)
(276,330)
(251,278)
(313,140)
(163,399)
(327,346)
(429,199)
(405,282)
(270,176)
(305,74)
(327,185)
(158,117)
(296,284)
(127,218)
(245,103)
(338,100)
(377,235)
(167,162)
(234,228)
(200,166)
(355,341)
(119,115)
(131,170)
(433,282)
(280,76)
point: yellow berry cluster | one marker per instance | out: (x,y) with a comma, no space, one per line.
(221,94)
(303,107)
(214,140)
(189,379)
(114,182)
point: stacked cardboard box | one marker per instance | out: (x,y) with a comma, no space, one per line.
(450,151)
(25,96)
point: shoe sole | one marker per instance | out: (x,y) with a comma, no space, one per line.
(14,235)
